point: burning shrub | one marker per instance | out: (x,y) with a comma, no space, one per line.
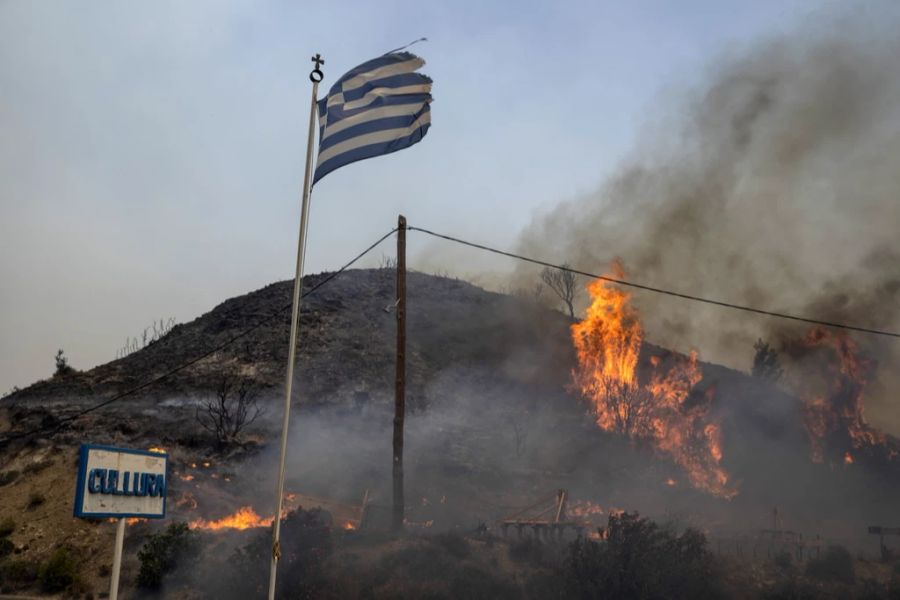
(60,572)
(305,544)
(835,565)
(640,559)
(163,551)
(661,409)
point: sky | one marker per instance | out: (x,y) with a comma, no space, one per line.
(151,153)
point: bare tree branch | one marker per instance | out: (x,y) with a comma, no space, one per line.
(563,285)
(230,412)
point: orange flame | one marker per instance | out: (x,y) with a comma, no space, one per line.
(582,509)
(156,450)
(608,343)
(244,518)
(833,410)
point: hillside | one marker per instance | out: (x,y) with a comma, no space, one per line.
(495,423)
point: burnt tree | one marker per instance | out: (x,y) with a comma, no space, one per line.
(231,411)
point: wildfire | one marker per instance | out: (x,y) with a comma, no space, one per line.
(186,477)
(833,405)
(608,343)
(244,518)
(584,509)
(156,450)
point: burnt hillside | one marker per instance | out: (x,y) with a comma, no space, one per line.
(494,418)
(347,339)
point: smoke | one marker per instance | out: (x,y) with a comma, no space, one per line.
(775,184)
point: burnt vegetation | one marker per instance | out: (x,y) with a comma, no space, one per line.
(231,411)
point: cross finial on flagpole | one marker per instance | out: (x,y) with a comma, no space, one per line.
(317,75)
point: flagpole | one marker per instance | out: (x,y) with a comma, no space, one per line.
(315,76)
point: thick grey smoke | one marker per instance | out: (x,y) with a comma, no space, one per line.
(775,184)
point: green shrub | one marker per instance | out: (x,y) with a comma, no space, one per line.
(641,560)
(836,565)
(17,572)
(7,526)
(59,573)
(164,550)
(7,477)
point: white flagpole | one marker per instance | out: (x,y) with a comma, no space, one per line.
(316,76)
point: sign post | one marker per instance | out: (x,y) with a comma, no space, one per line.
(119,483)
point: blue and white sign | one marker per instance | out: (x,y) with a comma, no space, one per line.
(115,482)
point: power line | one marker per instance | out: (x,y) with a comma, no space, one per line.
(59,424)
(658,290)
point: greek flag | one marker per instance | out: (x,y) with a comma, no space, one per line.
(377,108)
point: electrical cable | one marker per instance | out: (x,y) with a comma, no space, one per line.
(659,290)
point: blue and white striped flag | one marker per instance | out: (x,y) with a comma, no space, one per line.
(379,107)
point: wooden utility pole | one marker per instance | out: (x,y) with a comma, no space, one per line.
(400,389)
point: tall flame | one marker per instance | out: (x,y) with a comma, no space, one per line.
(833,409)
(608,343)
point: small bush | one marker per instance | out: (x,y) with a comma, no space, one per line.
(305,544)
(6,547)
(455,545)
(62,364)
(35,500)
(7,477)
(59,573)
(835,565)
(7,526)
(163,551)
(17,572)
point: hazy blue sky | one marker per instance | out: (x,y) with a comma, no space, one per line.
(151,152)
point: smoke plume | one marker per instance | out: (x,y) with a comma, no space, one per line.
(775,184)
